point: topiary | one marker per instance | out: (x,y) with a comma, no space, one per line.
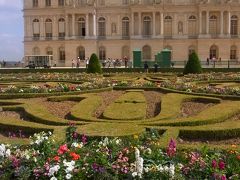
(193,65)
(94,65)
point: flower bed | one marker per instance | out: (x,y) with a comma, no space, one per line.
(135,157)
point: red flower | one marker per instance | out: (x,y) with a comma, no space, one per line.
(223,177)
(214,164)
(75,156)
(221,165)
(56,158)
(172,148)
(63,149)
(238,157)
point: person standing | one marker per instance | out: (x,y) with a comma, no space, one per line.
(78,62)
(87,62)
(145,67)
(126,61)
(73,63)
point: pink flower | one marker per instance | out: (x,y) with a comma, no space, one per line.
(214,164)
(63,149)
(223,177)
(221,165)
(171,149)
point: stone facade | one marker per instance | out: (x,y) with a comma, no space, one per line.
(68,29)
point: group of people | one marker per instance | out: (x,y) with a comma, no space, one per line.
(76,62)
(115,62)
(213,60)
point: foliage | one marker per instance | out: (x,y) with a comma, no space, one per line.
(94,65)
(193,65)
(132,157)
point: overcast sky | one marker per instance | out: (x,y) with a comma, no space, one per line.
(11,30)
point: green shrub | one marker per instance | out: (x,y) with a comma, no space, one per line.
(193,65)
(94,65)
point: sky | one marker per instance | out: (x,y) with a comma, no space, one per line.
(11,30)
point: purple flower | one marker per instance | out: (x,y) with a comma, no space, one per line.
(84,139)
(172,148)
(75,135)
(223,177)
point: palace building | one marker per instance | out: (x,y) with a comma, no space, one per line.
(68,29)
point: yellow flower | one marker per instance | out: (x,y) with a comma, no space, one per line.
(135,136)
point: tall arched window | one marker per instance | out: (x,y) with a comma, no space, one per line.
(62,56)
(125,52)
(125,27)
(48,29)
(61,28)
(213,25)
(61,2)
(81,27)
(234,25)
(233,53)
(81,52)
(36,29)
(213,52)
(49,51)
(168,26)
(147,26)
(101,27)
(192,26)
(147,54)
(36,51)
(48,3)
(102,53)
(35,3)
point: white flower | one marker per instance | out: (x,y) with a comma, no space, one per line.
(53,178)
(53,170)
(134,174)
(172,170)
(138,163)
(68,176)
(146,169)
(8,152)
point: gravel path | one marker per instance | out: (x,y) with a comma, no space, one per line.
(190,108)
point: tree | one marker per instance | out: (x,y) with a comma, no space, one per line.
(193,65)
(94,65)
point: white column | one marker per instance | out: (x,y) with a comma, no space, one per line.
(139,23)
(67,26)
(73,26)
(154,23)
(87,25)
(132,24)
(94,24)
(200,22)
(162,24)
(229,23)
(221,23)
(207,22)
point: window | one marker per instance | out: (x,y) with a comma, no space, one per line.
(81,53)
(62,54)
(81,27)
(234,25)
(192,26)
(147,26)
(61,28)
(48,2)
(35,3)
(61,3)
(213,52)
(146,53)
(125,27)
(213,25)
(48,29)
(36,29)
(36,51)
(125,2)
(168,26)
(101,27)
(49,51)
(233,53)
(81,2)
(102,53)
(101,2)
